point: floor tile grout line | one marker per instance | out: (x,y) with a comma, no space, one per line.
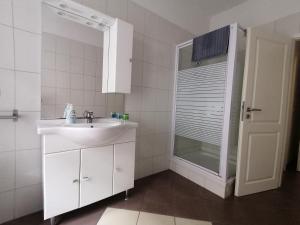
(137,221)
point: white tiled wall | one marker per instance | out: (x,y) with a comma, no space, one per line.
(20,155)
(20,53)
(72,73)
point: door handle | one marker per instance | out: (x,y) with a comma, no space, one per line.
(85,179)
(249,109)
(75,181)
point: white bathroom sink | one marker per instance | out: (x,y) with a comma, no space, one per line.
(101,132)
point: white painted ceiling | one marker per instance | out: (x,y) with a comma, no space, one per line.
(192,15)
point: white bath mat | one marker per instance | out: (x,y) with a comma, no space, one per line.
(113,216)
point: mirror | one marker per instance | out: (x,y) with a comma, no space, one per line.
(72,56)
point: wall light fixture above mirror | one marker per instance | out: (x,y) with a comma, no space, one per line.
(81,14)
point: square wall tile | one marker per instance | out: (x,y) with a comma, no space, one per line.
(119,216)
(137,73)
(138,46)
(133,100)
(100,99)
(149,99)
(62,96)
(48,96)
(76,65)
(90,68)
(62,79)
(7,171)
(89,83)
(6,206)
(147,123)
(150,78)
(7,131)
(28,200)
(48,78)
(77,49)
(77,81)
(6,47)
(150,50)
(99,111)
(28,167)
(151,25)
(145,167)
(90,52)
(76,97)
(6,12)
(48,42)
(62,62)
(28,51)
(7,90)
(26,133)
(136,16)
(161,163)
(48,60)
(48,112)
(27,15)
(89,98)
(28,91)
(62,46)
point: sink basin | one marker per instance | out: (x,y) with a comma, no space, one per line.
(99,133)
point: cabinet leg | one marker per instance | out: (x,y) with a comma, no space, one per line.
(53,221)
(126,195)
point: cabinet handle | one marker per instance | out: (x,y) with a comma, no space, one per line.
(85,179)
(75,181)
(118,169)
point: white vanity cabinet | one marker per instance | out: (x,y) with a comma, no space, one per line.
(117,58)
(75,176)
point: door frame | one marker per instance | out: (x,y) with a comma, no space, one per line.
(291,96)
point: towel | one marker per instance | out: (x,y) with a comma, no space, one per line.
(210,45)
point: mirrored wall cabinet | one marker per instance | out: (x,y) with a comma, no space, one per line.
(117,58)
(117,42)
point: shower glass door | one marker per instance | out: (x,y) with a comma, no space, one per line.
(200,94)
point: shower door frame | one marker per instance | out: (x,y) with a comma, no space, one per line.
(231,66)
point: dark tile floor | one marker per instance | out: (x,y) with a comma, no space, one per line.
(170,194)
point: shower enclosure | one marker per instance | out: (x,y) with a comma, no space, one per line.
(206,113)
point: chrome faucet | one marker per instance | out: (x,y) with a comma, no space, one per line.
(89,116)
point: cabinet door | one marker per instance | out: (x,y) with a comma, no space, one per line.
(124,159)
(117,58)
(96,174)
(61,182)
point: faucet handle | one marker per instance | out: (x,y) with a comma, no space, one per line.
(88,114)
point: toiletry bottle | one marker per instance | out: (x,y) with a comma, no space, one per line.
(70,114)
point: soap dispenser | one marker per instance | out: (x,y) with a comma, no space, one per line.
(70,114)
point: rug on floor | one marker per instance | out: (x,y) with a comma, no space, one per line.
(113,216)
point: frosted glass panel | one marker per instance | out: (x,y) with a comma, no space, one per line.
(199,113)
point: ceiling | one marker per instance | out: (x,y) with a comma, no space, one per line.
(192,15)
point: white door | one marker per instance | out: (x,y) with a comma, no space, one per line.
(61,183)
(96,174)
(124,158)
(265,89)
